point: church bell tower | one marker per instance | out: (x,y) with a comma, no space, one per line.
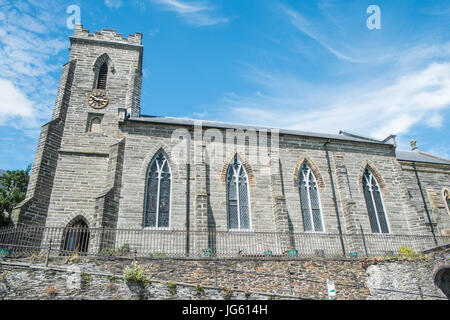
(77,166)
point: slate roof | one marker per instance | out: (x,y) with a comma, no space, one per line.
(420,157)
(343,136)
(225,125)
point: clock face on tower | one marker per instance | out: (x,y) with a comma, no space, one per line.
(98,100)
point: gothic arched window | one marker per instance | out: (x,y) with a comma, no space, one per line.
(157,202)
(238,197)
(102,76)
(309,200)
(374,203)
(447,199)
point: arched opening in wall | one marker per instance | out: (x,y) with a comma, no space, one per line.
(102,77)
(374,202)
(309,200)
(441,277)
(238,206)
(447,199)
(158,193)
(76,237)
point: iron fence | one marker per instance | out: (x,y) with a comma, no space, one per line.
(28,240)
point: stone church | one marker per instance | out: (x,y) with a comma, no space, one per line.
(100,163)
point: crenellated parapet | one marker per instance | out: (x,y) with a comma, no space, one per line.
(107,35)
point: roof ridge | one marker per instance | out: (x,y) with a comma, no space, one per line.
(349,134)
(433,156)
(222,124)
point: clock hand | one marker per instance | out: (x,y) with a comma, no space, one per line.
(99,100)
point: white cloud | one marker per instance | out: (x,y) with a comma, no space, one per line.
(153,32)
(195,13)
(435,120)
(305,26)
(30,44)
(115,4)
(14,103)
(370,109)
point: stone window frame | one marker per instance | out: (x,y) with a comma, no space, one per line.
(320,185)
(102,59)
(248,169)
(70,221)
(381,185)
(445,196)
(160,151)
(375,172)
(314,168)
(90,118)
(250,180)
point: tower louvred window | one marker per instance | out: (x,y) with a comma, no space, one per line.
(102,76)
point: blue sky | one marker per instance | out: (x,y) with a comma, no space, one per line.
(306,65)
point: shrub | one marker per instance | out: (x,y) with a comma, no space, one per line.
(112,287)
(406,252)
(113,278)
(199,289)
(227,293)
(87,277)
(172,287)
(157,255)
(136,273)
(125,248)
(51,291)
(36,258)
(75,258)
(122,251)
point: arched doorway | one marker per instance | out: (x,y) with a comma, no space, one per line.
(441,276)
(76,236)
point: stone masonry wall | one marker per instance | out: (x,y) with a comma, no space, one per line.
(87,179)
(96,278)
(434,179)
(34,209)
(101,176)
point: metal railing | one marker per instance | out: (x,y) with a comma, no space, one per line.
(28,240)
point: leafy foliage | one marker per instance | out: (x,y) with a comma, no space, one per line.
(13,189)
(136,273)
(124,250)
(172,287)
(199,289)
(406,252)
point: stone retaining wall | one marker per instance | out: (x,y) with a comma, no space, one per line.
(99,278)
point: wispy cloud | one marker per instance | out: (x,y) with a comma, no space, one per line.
(29,63)
(302,24)
(375,110)
(195,13)
(116,4)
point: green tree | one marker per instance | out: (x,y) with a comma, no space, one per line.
(13,189)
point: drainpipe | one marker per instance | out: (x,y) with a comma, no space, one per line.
(424,202)
(334,196)
(188,191)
